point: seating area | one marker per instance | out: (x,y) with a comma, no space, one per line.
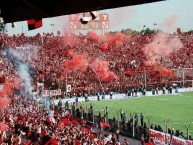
(91,63)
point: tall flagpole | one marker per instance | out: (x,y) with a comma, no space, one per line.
(98,78)
(66,84)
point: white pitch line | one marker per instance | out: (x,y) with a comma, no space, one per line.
(175,123)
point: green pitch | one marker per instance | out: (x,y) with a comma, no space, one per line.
(178,109)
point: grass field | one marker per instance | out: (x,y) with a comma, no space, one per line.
(178,109)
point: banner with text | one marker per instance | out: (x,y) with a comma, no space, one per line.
(161,138)
(51,92)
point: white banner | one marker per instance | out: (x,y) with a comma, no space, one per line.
(125,96)
(26,47)
(51,92)
(68,88)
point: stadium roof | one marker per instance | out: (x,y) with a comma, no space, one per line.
(20,10)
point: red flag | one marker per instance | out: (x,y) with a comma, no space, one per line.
(75,122)
(65,121)
(27,142)
(48,120)
(43,132)
(52,141)
(77,142)
(85,130)
(91,136)
(149,143)
(102,124)
(34,24)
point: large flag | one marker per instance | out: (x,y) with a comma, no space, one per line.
(52,141)
(102,124)
(34,24)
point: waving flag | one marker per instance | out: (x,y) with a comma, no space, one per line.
(102,124)
(34,24)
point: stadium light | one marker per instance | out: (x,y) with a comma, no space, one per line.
(13,25)
(84,19)
(1,23)
(94,14)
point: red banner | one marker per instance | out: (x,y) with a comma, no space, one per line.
(161,138)
(102,124)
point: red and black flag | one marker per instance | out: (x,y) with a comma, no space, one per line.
(103,124)
(34,24)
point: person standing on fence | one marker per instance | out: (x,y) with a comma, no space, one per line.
(130,118)
(106,110)
(136,118)
(141,118)
(121,113)
(106,113)
(164,89)
(157,89)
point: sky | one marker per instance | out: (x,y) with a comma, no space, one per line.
(168,15)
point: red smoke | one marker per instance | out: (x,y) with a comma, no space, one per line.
(94,36)
(4,102)
(7,91)
(78,62)
(164,72)
(70,39)
(170,23)
(102,70)
(160,47)
(117,39)
(105,47)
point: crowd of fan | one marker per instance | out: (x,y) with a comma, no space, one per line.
(25,122)
(123,52)
(28,122)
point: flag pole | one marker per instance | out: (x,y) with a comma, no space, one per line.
(66,85)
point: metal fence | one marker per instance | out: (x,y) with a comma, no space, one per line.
(182,77)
